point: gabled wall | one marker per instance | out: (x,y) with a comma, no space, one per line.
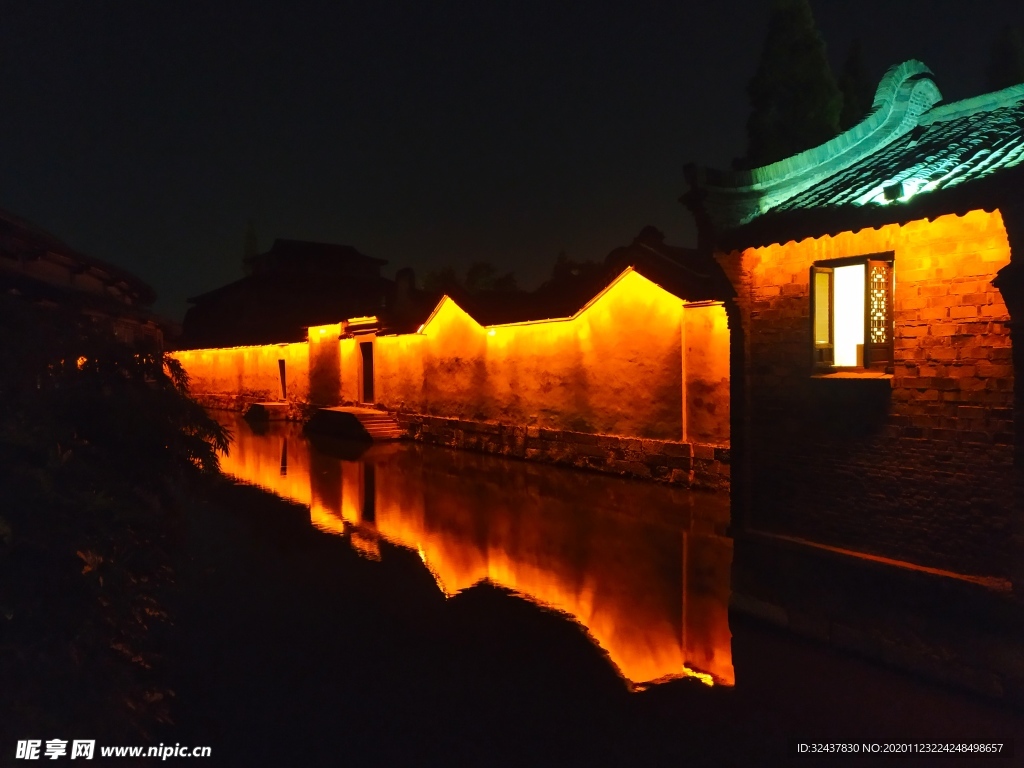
(614,368)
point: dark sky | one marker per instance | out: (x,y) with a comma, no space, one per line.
(147,134)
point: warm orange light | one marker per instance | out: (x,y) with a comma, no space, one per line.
(614,589)
(576,373)
(704,677)
(365,545)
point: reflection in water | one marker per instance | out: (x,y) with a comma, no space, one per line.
(653,594)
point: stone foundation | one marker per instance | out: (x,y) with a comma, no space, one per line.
(691,465)
(687,464)
(231,402)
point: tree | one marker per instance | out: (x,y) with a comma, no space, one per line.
(442,280)
(568,271)
(481,277)
(98,439)
(1006,62)
(250,248)
(794,97)
(856,87)
(67,384)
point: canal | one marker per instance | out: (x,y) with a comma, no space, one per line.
(406,605)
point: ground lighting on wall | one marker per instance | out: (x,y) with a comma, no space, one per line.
(896,192)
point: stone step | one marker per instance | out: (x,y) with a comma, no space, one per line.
(355,423)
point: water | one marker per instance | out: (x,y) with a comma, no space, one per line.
(644,568)
(417,606)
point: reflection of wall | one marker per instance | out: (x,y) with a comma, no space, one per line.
(574,542)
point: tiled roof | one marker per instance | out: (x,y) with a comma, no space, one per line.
(20,237)
(910,145)
(950,146)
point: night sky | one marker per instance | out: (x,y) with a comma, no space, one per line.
(146,134)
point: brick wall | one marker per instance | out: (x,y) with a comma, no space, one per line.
(918,466)
(687,464)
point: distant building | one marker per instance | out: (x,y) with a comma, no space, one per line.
(38,267)
(292,286)
(875,333)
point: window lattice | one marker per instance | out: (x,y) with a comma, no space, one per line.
(878,298)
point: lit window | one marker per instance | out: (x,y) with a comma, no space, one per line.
(851,312)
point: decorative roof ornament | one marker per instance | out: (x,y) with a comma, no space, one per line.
(909,144)
(733,198)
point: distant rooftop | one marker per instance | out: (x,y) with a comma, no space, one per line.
(910,144)
(21,239)
(304,255)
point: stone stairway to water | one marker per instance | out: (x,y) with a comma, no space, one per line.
(355,423)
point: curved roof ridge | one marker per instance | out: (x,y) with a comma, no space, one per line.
(899,100)
(906,92)
(986,102)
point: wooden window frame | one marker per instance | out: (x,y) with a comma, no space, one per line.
(878,354)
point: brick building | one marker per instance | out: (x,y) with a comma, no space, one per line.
(293,285)
(875,416)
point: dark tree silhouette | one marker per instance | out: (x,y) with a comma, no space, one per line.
(481,277)
(794,96)
(569,272)
(442,280)
(99,446)
(856,87)
(67,384)
(1006,62)
(250,249)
